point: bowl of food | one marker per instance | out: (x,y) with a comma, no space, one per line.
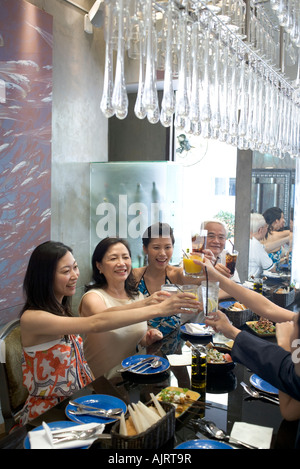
(284,296)
(236,312)
(218,359)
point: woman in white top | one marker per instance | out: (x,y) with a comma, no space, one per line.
(114,287)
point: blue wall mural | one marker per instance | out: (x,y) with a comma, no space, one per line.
(25,143)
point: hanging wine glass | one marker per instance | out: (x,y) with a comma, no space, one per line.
(215,94)
(233,112)
(267,120)
(243,100)
(224,127)
(153,115)
(260,108)
(168,100)
(195,88)
(135,32)
(119,97)
(106,104)
(166,119)
(295,29)
(182,102)
(139,108)
(150,97)
(273,114)
(114,23)
(205,113)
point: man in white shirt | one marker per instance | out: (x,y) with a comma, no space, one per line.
(258,257)
(216,241)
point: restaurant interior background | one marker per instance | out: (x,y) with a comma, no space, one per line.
(70,132)
(46,155)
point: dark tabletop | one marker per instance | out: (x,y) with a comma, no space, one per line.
(226,401)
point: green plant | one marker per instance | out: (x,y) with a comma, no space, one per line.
(228,219)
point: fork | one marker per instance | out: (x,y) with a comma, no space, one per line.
(258,395)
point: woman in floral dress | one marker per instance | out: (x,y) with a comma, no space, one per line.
(54,366)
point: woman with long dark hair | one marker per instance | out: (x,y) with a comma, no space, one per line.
(158,245)
(276,236)
(114,287)
(54,365)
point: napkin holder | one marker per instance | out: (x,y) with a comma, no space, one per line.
(284,299)
(154,437)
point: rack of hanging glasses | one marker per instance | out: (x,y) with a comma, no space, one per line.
(220,64)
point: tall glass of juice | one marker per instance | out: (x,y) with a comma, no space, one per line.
(191,269)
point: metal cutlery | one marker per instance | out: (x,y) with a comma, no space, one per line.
(138,364)
(145,366)
(258,395)
(219,434)
(74,435)
(80,406)
(108,414)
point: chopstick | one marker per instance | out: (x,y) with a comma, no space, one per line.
(194,410)
(197,403)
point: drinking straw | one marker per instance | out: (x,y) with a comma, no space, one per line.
(206,293)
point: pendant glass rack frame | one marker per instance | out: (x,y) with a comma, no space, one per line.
(219,64)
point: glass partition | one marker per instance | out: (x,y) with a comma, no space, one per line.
(127,197)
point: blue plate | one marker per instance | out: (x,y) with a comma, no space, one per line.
(207,333)
(203,444)
(165,365)
(262,385)
(53,426)
(226,304)
(102,401)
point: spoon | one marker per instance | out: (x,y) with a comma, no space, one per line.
(220,435)
(154,364)
(257,395)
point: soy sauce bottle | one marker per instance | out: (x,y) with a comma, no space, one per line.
(199,369)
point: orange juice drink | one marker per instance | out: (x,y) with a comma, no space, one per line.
(189,266)
(191,289)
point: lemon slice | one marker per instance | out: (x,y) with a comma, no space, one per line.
(212,305)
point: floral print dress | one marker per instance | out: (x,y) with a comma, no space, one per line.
(52,372)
